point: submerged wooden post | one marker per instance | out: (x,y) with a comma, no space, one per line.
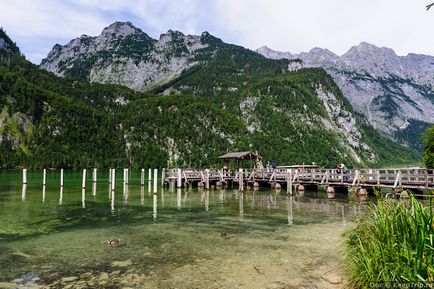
(155,180)
(142,177)
(179,180)
(61,178)
(24,176)
(110,176)
(240,180)
(150,175)
(83,183)
(113,179)
(44,177)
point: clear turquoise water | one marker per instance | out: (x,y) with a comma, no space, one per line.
(170,239)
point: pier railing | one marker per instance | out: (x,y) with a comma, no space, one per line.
(393,178)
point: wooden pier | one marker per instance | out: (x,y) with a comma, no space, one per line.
(416,179)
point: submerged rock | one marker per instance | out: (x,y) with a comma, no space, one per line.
(121,263)
(69,279)
(332,277)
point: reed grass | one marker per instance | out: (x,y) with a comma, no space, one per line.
(392,244)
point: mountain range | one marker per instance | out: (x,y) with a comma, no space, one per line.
(124,99)
(395,93)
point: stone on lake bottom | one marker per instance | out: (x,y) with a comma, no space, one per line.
(69,279)
(121,263)
(332,278)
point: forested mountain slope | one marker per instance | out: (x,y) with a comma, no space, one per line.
(231,99)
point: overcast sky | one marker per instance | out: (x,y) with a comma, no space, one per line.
(285,25)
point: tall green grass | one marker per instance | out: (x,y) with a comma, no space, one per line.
(394,242)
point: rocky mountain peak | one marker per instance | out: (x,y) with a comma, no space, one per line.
(6,44)
(273,54)
(120,28)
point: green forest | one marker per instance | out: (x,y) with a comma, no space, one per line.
(233,100)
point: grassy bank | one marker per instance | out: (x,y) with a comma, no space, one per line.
(394,242)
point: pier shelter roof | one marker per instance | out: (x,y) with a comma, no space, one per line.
(240,156)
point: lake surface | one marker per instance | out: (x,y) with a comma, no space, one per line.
(53,238)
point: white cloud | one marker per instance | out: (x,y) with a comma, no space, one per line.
(287,25)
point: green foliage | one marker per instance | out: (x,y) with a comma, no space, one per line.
(233,100)
(394,242)
(428,155)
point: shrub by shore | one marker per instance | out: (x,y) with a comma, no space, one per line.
(392,245)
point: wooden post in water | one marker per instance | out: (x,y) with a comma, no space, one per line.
(179,180)
(113,179)
(24,176)
(83,183)
(94,172)
(110,176)
(142,177)
(127,175)
(44,177)
(289,181)
(61,179)
(150,175)
(240,180)
(207,179)
(163,175)
(155,180)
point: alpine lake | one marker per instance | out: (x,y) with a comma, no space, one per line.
(171,238)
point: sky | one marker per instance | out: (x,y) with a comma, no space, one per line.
(284,25)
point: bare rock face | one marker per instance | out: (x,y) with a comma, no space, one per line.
(124,54)
(395,93)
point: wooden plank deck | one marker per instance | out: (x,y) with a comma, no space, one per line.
(391,178)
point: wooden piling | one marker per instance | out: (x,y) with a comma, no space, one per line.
(206,179)
(44,177)
(155,180)
(94,175)
(240,180)
(113,179)
(150,175)
(110,176)
(142,177)
(289,182)
(24,176)
(61,178)
(163,176)
(83,183)
(179,180)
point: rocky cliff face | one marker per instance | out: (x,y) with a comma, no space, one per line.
(123,54)
(395,93)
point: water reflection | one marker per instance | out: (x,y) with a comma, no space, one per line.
(178,198)
(94,188)
(43,193)
(241,203)
(154,207)
(112,204)
(289,206)
(23,192)
(83,198)
(61,195)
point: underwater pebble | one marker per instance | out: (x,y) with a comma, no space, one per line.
(121,263)
(332,278)
(69,279)
(103,276)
